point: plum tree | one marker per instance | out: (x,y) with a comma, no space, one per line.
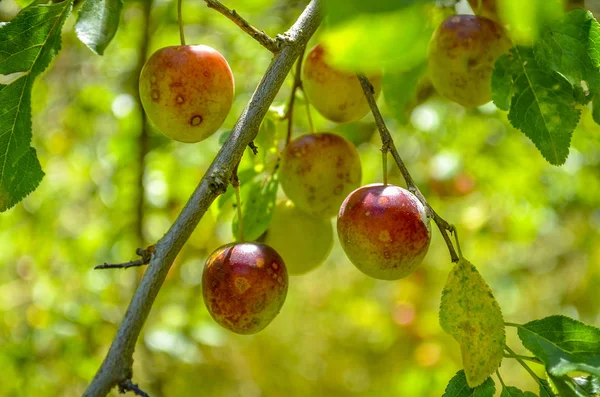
(303,241)
(244,286)
(461,58)
(384,231)
(318,171)
(336,94)
(187,91)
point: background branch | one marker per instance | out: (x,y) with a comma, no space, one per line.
(388,145)
(264,39)
(117,366)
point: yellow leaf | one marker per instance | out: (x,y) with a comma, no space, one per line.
(469,312)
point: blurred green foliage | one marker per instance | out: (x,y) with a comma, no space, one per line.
(532,230)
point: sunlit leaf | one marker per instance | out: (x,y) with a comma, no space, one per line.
(526,18)
(563,344)
(566,387)
(590,384)
(98,22)
(469,312)
(257,208)
(542,102)
(458,387)
(511,391)
(27,45)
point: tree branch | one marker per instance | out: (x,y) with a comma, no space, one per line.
(389,146)
(264,39)
(117,366)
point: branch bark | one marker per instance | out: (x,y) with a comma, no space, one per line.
(116,369)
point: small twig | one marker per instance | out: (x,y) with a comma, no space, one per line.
(525,358)
(289,114)
(253,147)
(388,142)
(512,325)
(264,39)
(146,255)
(384,152)
(128,385)
(180,21)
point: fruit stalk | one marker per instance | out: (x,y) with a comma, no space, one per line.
(117,366)
(180,22)
(388,144)
(264,39)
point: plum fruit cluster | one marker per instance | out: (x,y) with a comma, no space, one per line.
(187,91)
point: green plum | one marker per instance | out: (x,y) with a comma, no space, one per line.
(336,94)
(303,241)
(318,171)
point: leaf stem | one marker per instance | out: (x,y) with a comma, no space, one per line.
(523,364)
(500,379)
(308,112)
(525,358)
(388,142)
(180,21)
(512,325)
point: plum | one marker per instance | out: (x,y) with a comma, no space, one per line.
(461,57)
(337,95)
(187,91)
(318,171)
(303,241)
(384,231)
(244,286)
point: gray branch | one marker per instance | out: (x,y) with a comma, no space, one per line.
(116,369)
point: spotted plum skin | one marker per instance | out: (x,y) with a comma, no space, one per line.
(337,95)
(302,240)
(244,286)
(461,57)
(384,231)
(318,171)
(187,91)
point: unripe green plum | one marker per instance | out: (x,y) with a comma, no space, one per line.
(244,286)
(303,241)
(336,94)
(461,58)
(187,91)
(384,231)
(318,171)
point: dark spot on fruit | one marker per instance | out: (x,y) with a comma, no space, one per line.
(196,120)
(206,73)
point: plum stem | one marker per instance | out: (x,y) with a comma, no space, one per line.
(235,182)
(523,364)
(384,152)
(289,115)
(479,7)
(388,143)
(264,39)
(180,21)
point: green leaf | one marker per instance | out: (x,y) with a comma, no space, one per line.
(368,42)
(545,388)
(257,208)
(590,384)
(563,344)
(458,387)
(596,108)
(27,45)
(510,391)
(566,387)
(401,90)
(343,10)
(526,18)
(98,22)
(469,312)
(542,102)
(266,139)
(567,46)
